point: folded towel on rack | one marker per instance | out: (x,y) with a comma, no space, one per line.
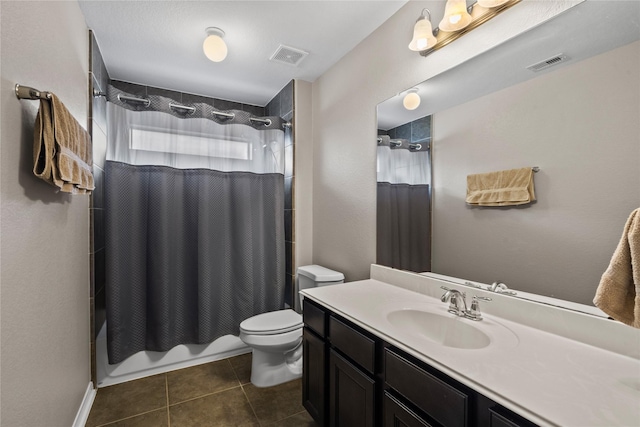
(502,188)
(618,292)
(62,151)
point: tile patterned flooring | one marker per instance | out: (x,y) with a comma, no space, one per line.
(216,394)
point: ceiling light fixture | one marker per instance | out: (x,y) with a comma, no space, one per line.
(214,46)
(423,37)
(411,100)
(457,21)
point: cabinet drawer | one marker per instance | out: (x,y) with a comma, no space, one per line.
(500,417)
(359,347)
(441,401)
(314,317)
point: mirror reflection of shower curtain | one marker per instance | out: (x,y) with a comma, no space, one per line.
(403,209)
(194,215)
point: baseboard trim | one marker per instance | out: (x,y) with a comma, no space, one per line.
(85,406)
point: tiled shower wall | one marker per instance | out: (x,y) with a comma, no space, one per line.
(281,105)
(98,81)
(417,131)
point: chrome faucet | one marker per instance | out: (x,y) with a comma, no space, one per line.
(500,288)
(458,304)
(455,298)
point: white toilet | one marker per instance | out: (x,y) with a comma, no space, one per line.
(276,336)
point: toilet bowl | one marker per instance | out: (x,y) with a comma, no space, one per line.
(276,336)
(276,340)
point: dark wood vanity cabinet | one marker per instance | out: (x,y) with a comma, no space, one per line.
(348,368)
(352,378)
(314,362)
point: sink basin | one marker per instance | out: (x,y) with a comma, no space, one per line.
(447,330)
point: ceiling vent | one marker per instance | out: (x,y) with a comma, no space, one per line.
(543,65)
(288,55)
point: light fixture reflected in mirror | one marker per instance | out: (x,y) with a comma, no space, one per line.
(423,37)
(457,21)
(411,100)
(214,46)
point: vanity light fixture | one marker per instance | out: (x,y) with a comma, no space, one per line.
(411,100)
(458,20)
(423,37)
(456,17)
(214,46)
(491,3)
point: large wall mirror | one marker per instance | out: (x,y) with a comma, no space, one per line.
(578,121)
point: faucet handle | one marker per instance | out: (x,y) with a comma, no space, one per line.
(474,311)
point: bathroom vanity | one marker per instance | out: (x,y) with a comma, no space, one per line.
(386,352)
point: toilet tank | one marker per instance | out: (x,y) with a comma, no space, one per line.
(311,276)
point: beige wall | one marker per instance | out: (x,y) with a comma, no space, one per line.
(580,124)
(44,266)
(344,122)
(303,187)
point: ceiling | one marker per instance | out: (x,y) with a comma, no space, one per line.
(585,30)
(159,43)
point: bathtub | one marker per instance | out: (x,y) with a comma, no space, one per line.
(146,363)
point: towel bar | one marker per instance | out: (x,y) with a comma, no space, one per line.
(535,169)
(26,92)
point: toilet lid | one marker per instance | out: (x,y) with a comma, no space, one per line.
(273,322)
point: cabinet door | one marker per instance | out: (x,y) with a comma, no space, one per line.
(396,414)
(351,394)
(314,378)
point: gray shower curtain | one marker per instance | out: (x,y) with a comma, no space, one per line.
(190,252)
(403,226)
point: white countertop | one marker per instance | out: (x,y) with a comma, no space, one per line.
(547,378)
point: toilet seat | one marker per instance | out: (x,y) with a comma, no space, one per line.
(273,322)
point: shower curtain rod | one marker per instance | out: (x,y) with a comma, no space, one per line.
(191,110)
